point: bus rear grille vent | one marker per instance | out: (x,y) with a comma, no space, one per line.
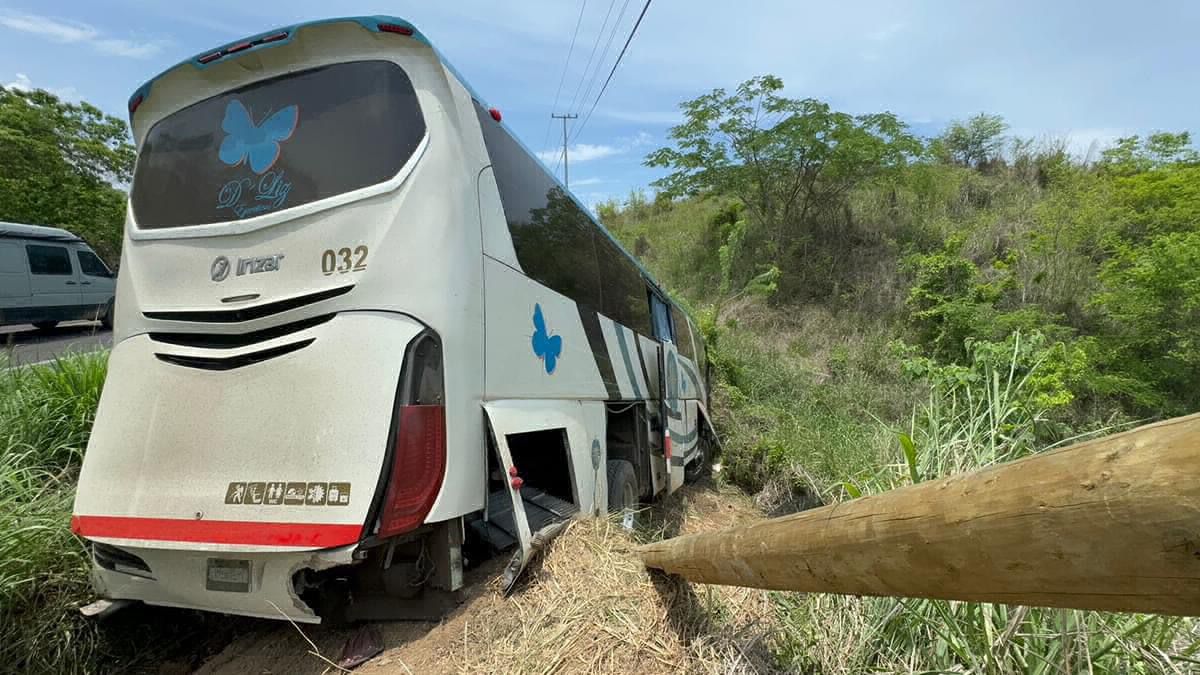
(234,340)
(229,363)
(119,560)
(248,313)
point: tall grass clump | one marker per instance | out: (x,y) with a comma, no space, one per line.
(46,413)
(982,414)
(797,397)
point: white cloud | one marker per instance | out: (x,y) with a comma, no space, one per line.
(581,152)
(587,181)
(640,140)
(644,116)
(55,29)
(22,83)
(586,152)
(73,32)
(1083,144)
(129,48)
(887,32)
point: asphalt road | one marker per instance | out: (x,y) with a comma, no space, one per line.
(25,344)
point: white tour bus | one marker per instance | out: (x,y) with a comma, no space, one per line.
(48,275)
(362,335)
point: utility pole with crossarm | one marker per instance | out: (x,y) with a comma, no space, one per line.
(564,118)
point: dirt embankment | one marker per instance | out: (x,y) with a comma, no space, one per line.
(587,606)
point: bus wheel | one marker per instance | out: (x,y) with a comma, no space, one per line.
(701,466)
(622,489)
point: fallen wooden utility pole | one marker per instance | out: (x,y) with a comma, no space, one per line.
(1110,524)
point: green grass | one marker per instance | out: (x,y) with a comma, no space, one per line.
(798,398)
(808,401)
(45,415)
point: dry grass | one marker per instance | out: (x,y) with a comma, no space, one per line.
(587,606)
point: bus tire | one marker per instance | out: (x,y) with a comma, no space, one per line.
(701,466)
(622,486)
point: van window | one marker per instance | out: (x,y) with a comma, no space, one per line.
(48,260)
(91,265)
(277,143)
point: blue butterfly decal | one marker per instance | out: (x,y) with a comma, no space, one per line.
(258,143)
(546,347)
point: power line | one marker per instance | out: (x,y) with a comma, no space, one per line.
(563,77)
(579,129)
(587,93)
(588,66)
(592,55)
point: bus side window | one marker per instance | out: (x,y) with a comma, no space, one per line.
(661,316)
(623,290)
(554,238)
(698,340)
(683,334)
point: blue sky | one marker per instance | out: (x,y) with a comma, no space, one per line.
(1084,71)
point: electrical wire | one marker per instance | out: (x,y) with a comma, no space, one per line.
(563,77)
(579,129)
(612,34)
(592,54)
(587,67)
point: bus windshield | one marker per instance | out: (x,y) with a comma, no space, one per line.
(277,143)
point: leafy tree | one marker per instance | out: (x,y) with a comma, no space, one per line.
(972,143)
(791,162)
(1151,303)
(1131,155)
(61,164)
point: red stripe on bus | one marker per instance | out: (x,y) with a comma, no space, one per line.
(217,531)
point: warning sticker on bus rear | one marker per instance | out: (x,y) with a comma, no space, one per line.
(275,493)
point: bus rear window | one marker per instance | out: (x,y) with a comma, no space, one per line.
(277,143)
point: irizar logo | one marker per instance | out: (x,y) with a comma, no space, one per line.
(267,263)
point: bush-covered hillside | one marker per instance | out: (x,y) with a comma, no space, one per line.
(882,309)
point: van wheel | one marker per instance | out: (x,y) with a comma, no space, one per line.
(106,319)
(44,325)
(622,486)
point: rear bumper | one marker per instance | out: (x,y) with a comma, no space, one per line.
(180,576)
(234,535)
(278,454)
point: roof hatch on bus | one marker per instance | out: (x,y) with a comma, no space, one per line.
(276,144)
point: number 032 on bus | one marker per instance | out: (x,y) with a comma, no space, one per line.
(363,338)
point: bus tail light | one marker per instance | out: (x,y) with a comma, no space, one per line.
(395,28)
(418,461)
(418,468)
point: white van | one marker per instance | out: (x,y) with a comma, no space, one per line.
(48,275)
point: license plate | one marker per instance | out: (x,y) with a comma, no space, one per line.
(228,575)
